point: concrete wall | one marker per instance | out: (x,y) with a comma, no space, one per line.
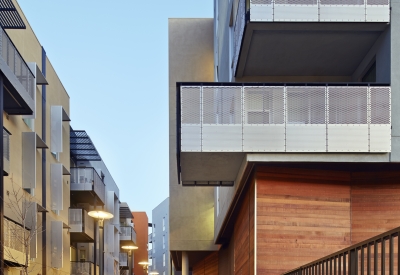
(160,216)
(191,209)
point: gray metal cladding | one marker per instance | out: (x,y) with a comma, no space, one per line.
(286,119)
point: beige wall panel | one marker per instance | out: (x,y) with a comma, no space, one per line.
(190,59)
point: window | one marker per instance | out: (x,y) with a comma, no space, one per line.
(154,246)
(163,223)
(163,241)
(163,258)
(154,230)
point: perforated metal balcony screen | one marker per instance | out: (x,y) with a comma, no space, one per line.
(56,249)
(285,119)
(56,186)
(75,220)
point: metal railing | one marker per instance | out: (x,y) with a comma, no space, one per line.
(6,151)
(14,237)
(80,221)
(82,268)
(87,179)
(128,234)
(377,255)
(235,117)
(123,259)
(16,63)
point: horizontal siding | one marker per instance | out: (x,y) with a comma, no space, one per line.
(207,266)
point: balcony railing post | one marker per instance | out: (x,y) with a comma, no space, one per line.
(375,257)
(391,255)
(383,256)
(353,262)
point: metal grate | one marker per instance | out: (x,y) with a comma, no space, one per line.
(222,105)
(348,105)
(296,2)
(190,102)
(9,16)
(261,2)
(380,105)
(305,105)
(263,105)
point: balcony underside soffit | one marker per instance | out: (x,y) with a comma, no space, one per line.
(305,49)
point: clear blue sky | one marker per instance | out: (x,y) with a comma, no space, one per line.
(112,58)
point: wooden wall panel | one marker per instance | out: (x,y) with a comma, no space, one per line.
(302,215)
(207,266)
(375,204)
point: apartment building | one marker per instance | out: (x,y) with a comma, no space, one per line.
(34,186)
(141,256)
(159,252)
(284,137)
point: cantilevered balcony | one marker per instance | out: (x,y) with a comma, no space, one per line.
(128,235)
(123,261)
(81,225)
(219,122)
(19,81)
(87,186)
(80,268)
(304,37)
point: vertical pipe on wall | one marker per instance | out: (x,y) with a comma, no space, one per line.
(44,196)
(1,180)
(185,263)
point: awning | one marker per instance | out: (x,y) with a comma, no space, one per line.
(82,147)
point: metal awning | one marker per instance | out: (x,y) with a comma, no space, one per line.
(82,147)
(124,211)
(9,16)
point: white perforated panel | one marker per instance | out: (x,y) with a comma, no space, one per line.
(379,138)
(190,105)
(380,105)
(28,160)
(305,105)
(264,13)
(56,129)
(378,13)
(296,12)
(238,32)
(56,171)
(6,151)
(56,249)
(191,138)
(306,138)
(75,220)
(341,13)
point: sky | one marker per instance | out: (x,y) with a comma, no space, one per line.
(112,58)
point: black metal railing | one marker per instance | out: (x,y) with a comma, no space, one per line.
(87,179)
(377,255)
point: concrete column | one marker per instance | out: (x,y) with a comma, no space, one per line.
(185,263)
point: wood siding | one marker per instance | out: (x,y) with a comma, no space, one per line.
(375,204)
(207,266)
(301,216)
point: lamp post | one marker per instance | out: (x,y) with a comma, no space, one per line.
(130,248)
(100,216)
(145,266)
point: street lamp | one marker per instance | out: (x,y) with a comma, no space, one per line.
(145,266)
(154,272)
(130,248)
(100,216)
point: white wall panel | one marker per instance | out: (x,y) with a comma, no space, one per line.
(29,160)
(264,138)
(56,129)
(110,202)
(307,13)
(343,13)
(264,13)
(31,222)
(191,138)
(56,173)
(56,244)
(378,13)
(348,138)
(306,138)
(379,138)
(222,138)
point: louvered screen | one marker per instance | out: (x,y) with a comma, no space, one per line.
(348,105)
(222,105)
(56,186)
(305,105)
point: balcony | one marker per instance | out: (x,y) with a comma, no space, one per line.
(87,186)
(14,248)
(81,225)
(218,124)
(19,81)
(6,152)
(82,268)
(128,235)
(123,261)
(305,37)
(150,240)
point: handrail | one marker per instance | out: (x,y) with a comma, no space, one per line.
(338,260)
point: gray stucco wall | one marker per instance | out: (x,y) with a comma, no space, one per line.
(191,58)
(160,220)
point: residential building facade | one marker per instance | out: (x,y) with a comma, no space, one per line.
(159,252)
(141,256)
(283,134)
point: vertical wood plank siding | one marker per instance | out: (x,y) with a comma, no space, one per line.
(207,266)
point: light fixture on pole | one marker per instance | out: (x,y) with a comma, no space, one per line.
(145,266)
(153,272)
(100,216)
(130,253)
